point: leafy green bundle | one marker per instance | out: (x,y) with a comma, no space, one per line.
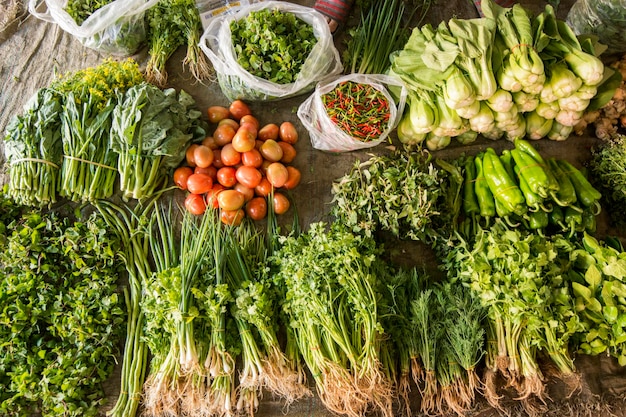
(61,317)
(150,131)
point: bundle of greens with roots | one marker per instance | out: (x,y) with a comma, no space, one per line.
(213,298)
(520,278)
(171,24)
(329,278)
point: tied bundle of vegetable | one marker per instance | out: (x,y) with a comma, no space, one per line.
(171,24)
(150,131)
(597,282)
(129,225)
(63,317)
(33,150)
(608,166)
(329,277)
(519,276)
(524,189)
(89,170)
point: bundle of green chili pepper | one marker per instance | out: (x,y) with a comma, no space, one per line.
(521,187)
(360,110)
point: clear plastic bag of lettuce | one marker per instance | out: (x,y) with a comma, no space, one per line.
(270,50)
(117,28)
(605,19)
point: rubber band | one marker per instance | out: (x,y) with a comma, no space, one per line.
(542,166)
(523,44)
(89,162)
(43,161)
(511,187)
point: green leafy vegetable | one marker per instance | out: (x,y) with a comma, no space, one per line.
(272,44)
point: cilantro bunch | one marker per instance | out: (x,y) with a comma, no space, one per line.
(272,44)
(61,317)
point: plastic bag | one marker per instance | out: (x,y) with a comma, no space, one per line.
(237,83)
(326,135)
(119,28)
(604,18)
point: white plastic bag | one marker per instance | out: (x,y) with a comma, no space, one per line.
(237,83)
(326,135)
(119,28)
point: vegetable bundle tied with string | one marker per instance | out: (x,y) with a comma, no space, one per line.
(150,131)
(329,279)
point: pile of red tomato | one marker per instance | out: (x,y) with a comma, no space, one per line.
(240,166)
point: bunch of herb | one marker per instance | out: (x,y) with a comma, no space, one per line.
(272,44)
(62,315)
(150,131)
(404,193)
(33,150)
(129,225)
(80,10)
(329,277)
(381,31)
(519,278)
(608,169)
(165,35)
(255,313)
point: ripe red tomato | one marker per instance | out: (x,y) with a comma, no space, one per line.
(203,156)
(230,156)
(181,174)
(211,196)
(189,154)
(248,176)
(293,178)
(248,118)
(248,193)
(256,208)
(289,152)
(288,133)
(217,158)
(269,131)
(252,158)
(199,183)
(271,150)
(281,203)
(244,140)
(209,141)
(217,113)
(224,134)
(277,174)
(264,188)
(226,176)
(232,217)
(230,200)
(194,203)
(211,171)
(238,109)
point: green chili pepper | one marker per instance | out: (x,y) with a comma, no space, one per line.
(525,146)
(556,217)
(483,193)
(585,192)
(573,219)
(507,162)
(589,221)
(502,185)
(533,200)
(470,203)
(533,172)
(566,195)
(538,220)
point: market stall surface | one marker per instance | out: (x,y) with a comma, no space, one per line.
(33,52)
